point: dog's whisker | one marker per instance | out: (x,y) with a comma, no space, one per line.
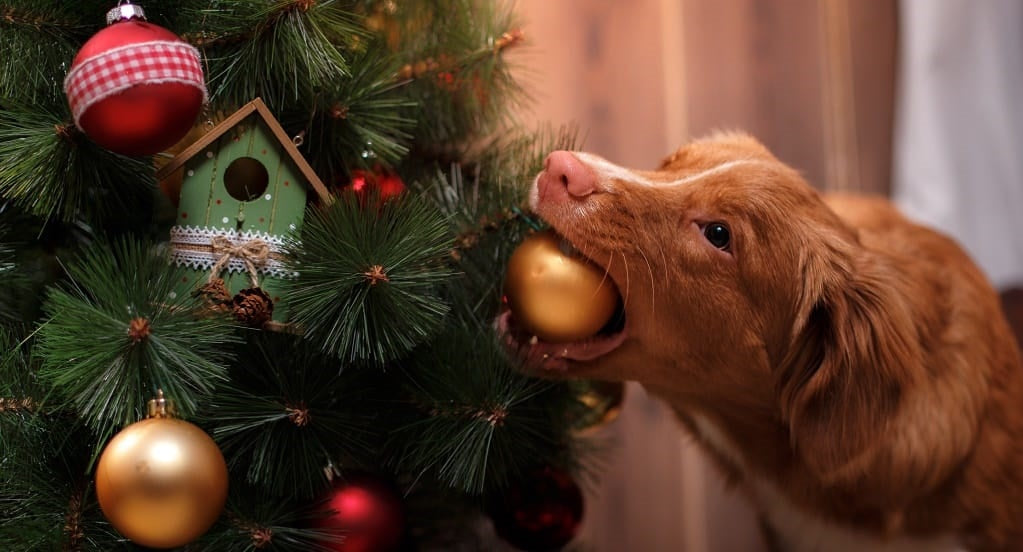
(653,281)
(607,273)
(664,257)
(625,294)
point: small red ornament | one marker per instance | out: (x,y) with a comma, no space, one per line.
(385,184)
(367,514)
(540,514)
(135,88)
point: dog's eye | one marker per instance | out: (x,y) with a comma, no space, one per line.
(718,235)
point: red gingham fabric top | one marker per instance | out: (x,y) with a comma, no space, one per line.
(118,69)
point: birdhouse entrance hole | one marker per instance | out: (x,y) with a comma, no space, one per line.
(246,179)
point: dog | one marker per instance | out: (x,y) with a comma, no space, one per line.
(850,371)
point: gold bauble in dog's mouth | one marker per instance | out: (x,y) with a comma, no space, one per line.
(561,305)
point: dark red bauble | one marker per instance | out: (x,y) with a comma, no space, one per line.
(384,184)
(541,513)
(127,97)
(366,512)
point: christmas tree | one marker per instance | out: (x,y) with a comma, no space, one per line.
(331,332)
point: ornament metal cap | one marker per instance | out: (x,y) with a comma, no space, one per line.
(160,407)
(125,11)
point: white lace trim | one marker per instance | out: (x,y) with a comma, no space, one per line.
(205,259)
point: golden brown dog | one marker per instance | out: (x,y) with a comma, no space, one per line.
(852,372)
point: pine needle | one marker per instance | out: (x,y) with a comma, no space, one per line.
(364,121)
(105,370)
(52,170)
(286,415)
(282,51)
(256,521)
(483,422)
(38,39)
(369,277)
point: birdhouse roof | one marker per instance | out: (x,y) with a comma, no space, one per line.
(255,106)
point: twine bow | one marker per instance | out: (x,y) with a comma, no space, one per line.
(253,253)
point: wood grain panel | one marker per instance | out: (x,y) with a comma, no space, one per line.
(873,26)
(755,65)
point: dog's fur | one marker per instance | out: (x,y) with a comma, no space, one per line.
(848,369)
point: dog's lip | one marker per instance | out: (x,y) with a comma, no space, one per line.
(555,356)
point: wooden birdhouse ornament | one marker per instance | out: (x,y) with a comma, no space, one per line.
(243,192)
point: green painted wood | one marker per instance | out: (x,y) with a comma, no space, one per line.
(278,211)
(198,183)
(223,208)
(289,199)
(233,145)
(258,139)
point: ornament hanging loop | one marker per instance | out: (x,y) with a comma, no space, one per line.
(160,407)
(125,11)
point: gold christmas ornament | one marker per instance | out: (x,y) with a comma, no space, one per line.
(602,404)
(161,482)
(555,292)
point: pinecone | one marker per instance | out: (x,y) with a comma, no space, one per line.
(216,298)
(253,307)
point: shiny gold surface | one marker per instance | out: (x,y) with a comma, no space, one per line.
(161,482)
(603,402)
(557,296)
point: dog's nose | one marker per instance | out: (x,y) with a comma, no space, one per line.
(565,169)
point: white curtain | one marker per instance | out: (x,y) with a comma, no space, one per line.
(958,163)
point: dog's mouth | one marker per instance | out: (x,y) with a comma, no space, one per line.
(561,356)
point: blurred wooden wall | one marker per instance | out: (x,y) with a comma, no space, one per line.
(812,79)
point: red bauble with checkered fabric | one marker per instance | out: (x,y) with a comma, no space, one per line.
(135,88)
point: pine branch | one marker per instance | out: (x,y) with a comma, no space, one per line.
(432,68)
(20,394)
(52,170)
(117,331)
(286,414)
(17,405)
(46,500)
(469,91)
(369,277)
(483,421)
(37,41)
(362,121)
(29,14)
(287,51)
(254,520)
(13,282)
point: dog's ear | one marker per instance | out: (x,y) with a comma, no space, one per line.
(852,359)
